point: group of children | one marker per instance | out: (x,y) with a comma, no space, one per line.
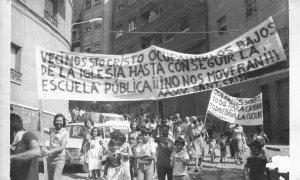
(122,157)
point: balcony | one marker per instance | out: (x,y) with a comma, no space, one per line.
(15,76)
(50,18)
(251,9)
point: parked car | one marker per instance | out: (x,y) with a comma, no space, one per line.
(76,133)
(106,118)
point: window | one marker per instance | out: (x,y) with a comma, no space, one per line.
(153,15)
(250,7)
(15,53)
(120,29)
(50,12)
(87,27)
(97,25)
(131,1)
(170,28)
(88,4)
(97,2)
(132,24)
(97,47)
(184,23)
(88,50)
(120,6)
(75,35)
(222,25)
(15,57)
(119,52)
(132,49)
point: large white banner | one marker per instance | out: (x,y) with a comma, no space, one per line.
(155,73)
(244,111)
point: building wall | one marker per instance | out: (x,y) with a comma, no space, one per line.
(30,29)
(275,86)
(100,35)
(167,13)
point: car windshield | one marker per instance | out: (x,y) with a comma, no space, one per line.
(76,131)
(123,130)
(107,118)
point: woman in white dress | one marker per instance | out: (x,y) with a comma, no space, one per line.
(198,143)
(95,153)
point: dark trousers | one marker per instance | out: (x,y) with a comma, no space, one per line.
(163,171)
(231,149)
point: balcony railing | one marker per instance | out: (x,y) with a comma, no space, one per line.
(50,18)
(15,76)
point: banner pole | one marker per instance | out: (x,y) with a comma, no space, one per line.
(157,109)
(207,107)
(40,113)
(262,112)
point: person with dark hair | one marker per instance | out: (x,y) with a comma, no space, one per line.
(133,142)
(165,148)
(24,151)
(89,124)
(223,149)
(229,132)
(117,158)
(95,153)
(237,142)
(56,154)
(198,143)
(180,160)
(212,148)
(177,128)
(255,168)
(145,155)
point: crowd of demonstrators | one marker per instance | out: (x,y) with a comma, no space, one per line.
(156,149)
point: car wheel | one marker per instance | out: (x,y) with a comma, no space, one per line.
(84,168)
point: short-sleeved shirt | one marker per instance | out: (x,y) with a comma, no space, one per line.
(165,148)
(57,138)
(237,133)
(179,169)
(144,149)
(133,136)
(24,170)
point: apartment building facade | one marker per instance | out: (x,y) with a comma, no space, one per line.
(232,18)
(199,26)
(44,23)
(164,23)
(93,37)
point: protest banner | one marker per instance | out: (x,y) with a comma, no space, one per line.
(155,73)
(244,111)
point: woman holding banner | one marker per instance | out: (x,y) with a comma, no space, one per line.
(198,142)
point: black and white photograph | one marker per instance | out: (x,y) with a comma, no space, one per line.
(149,90)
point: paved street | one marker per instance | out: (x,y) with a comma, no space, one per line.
(211,170)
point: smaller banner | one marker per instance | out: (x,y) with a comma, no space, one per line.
(244,111)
